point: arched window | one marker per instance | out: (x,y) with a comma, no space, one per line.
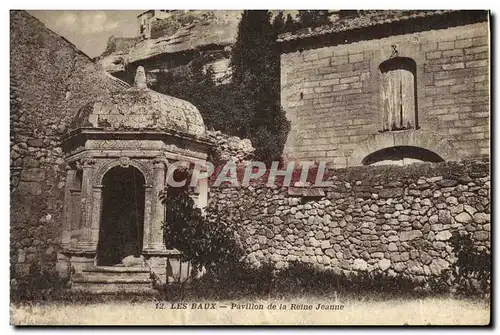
(399,98)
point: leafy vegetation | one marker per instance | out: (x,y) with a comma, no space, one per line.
(256,71)
(205,243)
(313,18)
(240,280)
(37,285)
(248,106)
(216,102)
(304,19)
(471,273)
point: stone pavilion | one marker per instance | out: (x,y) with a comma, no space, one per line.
(117,153)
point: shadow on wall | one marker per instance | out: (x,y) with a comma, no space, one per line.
(401,155)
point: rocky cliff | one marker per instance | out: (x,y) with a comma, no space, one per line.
(182,32)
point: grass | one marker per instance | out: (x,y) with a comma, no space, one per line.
(356,311)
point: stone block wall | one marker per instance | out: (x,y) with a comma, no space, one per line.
(50,81)
(386,218)
(332,94)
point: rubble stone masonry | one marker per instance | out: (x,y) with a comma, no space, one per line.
(332,96)
(50,80)
(389,219)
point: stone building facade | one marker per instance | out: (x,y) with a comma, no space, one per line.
(146,19)
(388,86)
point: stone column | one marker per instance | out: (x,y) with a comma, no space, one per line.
(67,227)
(95,214)
(156,243)
(85,242)
(148,200)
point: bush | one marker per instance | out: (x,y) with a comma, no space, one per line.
(471,274)
(255,64)
(217,102)
(37,285)
(240,280)
(205,243)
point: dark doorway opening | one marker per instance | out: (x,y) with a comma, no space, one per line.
(400,154)
(122,215)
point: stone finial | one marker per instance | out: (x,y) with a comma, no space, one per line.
(140,78)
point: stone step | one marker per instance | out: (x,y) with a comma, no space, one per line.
(117,269)
(114,288)
(106,280)
(112,275)
(113,280)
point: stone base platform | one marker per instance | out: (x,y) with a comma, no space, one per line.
(112,280)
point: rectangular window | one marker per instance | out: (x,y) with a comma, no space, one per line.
(398,95)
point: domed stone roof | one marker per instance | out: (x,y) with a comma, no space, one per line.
(139,108)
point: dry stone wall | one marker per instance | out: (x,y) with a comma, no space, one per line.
(387,218)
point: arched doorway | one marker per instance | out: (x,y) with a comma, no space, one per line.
(401,155)
(122,217)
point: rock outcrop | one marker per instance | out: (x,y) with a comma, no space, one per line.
(231,148)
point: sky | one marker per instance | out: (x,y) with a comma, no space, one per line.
(90,30)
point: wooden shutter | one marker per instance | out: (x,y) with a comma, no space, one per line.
(407,99)
(398,100)
(388,100)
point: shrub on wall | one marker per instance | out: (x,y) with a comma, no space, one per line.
(205,243)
